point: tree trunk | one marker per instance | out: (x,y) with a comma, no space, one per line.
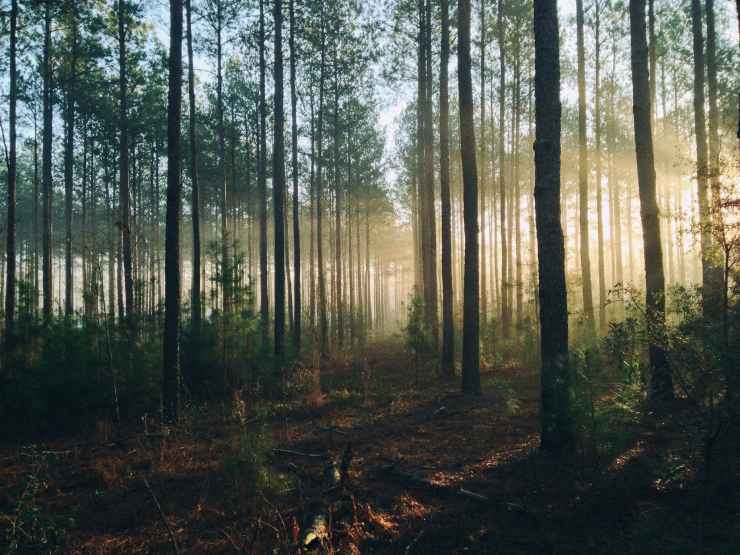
(448,329)
(296,202)
(661,384)
(709,294)
(124,191)
(171,348)
(557,429)
(278,185)
(195,293)
(48,188)
(69,133)
(11,223)
(599,185)
(471,316)
(583,169)
(505,307)
(264,301)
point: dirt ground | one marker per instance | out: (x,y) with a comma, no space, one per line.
(430,471)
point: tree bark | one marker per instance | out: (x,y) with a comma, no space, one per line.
(195,293)
(661,384)
(471,317)
(124,192)
(278,185)
(583,169)
(264,300)
(11,223)
(556,420)
(171,348)
(448,325)
(296,202)
(48,187)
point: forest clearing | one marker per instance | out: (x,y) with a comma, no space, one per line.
(345,277)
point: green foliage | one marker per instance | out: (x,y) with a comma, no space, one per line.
(247,470)
(417,334)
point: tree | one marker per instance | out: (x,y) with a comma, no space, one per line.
(11,223)
(556,419)
(661,384)
(471,316)
(195,200)
(710,291)
(583,169)
(448,329)
(262,178)
(505,307)
(124,191)
(48,188)
(278,185)
(296,201)
(171,348)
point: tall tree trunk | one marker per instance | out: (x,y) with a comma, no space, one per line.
(556,421)
(195,293)
(296,202)
(483,166)
(48,187)
(226,264)
(505,306)
(709,295)
(448,329)
(264,300)
(661,384)
(124,191)
(278,185)
(599,184)
(171,348)
(11,223)
(471,316)
(323,323)
(583,169)
(69,134)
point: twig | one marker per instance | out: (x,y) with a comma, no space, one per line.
(164,519)
(298,453)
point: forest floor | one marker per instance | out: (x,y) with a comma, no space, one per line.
(430,471)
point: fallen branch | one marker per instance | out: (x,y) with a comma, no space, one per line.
(164,519)
(298,453)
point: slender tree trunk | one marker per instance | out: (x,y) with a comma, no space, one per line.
(599,185)
(448,329)
(556,421)
(11,223)
(661,384)
(296,202)
(69,130)
(195,293)
(124,191)
(471,316)
(278,185)
(48,188)
(483,166)
(171,372)
(323,323)
(505,306)
(709,294)
(264,299)
(583,169)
